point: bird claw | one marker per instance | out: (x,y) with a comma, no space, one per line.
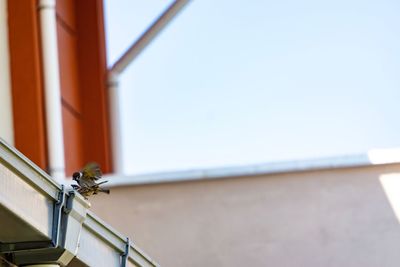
(88,191)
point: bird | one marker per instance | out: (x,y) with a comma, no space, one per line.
(88,176)
(86,179)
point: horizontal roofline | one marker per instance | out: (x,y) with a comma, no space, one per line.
(371,158)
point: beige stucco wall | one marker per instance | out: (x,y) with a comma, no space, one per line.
(322,218)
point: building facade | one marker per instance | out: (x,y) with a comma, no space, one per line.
(325,212)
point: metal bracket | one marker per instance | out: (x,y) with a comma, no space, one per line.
(125,255)
(68,206)
(58,209)
(55,235)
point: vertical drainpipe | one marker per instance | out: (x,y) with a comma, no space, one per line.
(115,115)
(121,64)
(51,76)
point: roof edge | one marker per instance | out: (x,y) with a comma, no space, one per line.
(371,158)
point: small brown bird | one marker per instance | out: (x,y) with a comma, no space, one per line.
(86,179)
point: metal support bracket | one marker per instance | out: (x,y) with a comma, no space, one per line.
(125,255)
(68,205)
(58,210)
(55,235)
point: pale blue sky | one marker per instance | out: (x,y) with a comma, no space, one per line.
(243,82)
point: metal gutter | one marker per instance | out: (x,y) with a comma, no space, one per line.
(371,158)
(109,242)
(42,223)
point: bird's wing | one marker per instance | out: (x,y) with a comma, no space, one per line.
(92,170)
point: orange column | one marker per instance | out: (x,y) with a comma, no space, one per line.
(70,88)
(26,80)
(93,82)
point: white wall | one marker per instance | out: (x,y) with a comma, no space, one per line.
(6,116)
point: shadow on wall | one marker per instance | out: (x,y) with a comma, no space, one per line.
(337,217)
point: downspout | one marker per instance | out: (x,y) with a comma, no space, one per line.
(115,121)
(51,76)
(121,64)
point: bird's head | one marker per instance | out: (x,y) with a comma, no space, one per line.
(76,176)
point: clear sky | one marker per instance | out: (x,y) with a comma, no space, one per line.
(242,82)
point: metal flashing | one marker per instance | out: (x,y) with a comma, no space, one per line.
(371,158)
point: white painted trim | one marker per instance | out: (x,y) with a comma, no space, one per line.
(6,121)
(371,158)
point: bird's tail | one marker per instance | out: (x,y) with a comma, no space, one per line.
(107,191)
(103,182)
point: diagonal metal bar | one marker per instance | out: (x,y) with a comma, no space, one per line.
(137,47)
